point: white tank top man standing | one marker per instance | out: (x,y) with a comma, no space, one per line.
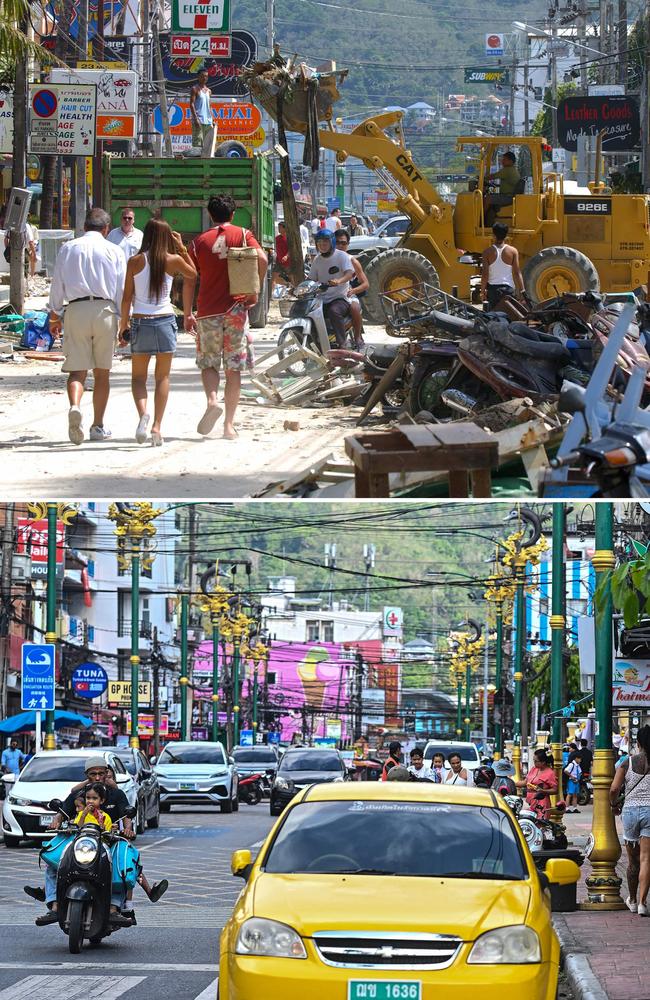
(500,271)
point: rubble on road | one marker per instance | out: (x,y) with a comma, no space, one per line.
(309,92)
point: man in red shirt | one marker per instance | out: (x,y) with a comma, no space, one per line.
(221,322)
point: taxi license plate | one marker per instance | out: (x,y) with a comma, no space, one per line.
(45,820)
(187,786)
(384,989)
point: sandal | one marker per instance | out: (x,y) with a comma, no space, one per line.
(208,420)
(158,890)
(141,430)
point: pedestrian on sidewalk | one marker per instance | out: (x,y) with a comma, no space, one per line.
(89,276)
(540,783)
(221,322)
(147,290)
(633,778)
(573,772)
(126,236)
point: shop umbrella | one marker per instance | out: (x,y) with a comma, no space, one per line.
(25,722)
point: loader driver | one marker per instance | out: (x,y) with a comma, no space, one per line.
(334,268)
(508,179)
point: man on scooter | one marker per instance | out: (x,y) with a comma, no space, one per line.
(334,268)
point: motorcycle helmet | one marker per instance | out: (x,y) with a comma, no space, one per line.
(326,234)
(483,777)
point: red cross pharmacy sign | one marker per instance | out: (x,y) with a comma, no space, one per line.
(192,15)
(393,620)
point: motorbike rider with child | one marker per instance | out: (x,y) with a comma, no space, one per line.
(333,268)
(115,807)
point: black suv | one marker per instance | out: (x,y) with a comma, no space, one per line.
(301,766)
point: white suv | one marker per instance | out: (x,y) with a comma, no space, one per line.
(469,755)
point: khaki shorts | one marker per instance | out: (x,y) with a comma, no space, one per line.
(225,340)
(89,334)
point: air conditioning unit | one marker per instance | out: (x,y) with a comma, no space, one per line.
(21,567)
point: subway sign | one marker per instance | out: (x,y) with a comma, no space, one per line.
(480,74)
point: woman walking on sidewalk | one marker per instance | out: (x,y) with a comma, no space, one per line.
(147,289)
(634,776)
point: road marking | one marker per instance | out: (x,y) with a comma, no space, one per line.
(70,987)
(210,992)
(155,843)
(256,846)
(136,966)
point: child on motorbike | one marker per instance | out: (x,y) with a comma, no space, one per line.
(92,811)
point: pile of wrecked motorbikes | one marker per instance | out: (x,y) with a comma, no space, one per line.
(588,354)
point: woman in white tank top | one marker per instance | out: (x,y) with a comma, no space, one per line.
(152,322)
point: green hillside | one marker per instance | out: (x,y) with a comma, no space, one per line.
(451,541)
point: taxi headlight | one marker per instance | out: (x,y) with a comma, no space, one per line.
(85,850)
(506,946)
(259,936)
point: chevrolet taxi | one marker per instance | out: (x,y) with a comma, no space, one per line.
(392,891)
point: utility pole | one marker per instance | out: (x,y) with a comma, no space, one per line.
(162,90)
(155,672)
(80,184)
(17,281)
(558,589)
(621,42)
(369,562)
(645,102)
(330,562)
(358,696)
(6,573)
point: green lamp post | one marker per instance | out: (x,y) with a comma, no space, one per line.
(558,588)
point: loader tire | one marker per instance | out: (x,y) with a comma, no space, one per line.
(231,150)
(556,270)
(392,270)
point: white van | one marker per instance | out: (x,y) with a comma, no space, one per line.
(468,752)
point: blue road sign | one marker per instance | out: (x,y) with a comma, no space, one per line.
(89,680)
(247,737)
(37,687)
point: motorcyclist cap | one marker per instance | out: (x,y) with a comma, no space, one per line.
(326,234)
(94,762)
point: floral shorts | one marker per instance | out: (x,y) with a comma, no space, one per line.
(225,339)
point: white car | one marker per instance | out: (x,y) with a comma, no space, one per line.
(51,774)
(384,237)
(469,755)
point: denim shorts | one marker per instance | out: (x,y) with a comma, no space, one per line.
(636,823)
(156,335)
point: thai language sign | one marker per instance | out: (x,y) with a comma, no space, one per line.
(62,118)
(616,117)
(224,75)
(117,90)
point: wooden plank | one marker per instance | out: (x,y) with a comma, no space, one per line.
(481,480)
(535,463)
(458,484)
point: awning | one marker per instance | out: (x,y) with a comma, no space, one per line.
(25,722)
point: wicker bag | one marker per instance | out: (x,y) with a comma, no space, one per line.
(243,275)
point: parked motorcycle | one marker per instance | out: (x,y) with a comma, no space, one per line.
(307,323)
(84,883)
(251,789)
(540,834)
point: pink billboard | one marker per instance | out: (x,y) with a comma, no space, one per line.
(312,682)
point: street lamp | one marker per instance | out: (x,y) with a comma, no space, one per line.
(500,593)
(465,657)
(53,512)
(603,884)
(557,623)
(134,531)
(216,604)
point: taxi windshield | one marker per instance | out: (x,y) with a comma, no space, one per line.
(421,839)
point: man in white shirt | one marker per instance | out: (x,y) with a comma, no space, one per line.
(333,222)
(334,268)
(126,236)
(88,275)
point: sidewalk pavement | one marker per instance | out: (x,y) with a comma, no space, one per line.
(605,953)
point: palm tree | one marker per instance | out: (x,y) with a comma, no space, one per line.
(15,46)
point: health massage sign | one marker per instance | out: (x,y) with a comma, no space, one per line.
(62,118)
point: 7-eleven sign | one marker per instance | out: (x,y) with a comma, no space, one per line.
(191,15)
(393,621)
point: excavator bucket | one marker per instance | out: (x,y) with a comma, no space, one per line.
(306,90)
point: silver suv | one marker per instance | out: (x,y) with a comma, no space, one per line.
(195,773)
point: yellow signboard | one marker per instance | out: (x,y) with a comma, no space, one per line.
(93,64)
(254,140)
(119,693)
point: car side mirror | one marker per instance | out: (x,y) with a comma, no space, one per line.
(55,805)
(146,773)
(231,760)
(241,864)
(561,871)
(131,813)
(153,759)
(8,778)
(121,779)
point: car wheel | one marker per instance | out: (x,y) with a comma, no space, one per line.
(140,825)
(11,841)
(275,809)
(226,807)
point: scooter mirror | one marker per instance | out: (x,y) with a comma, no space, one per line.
(572,399)
(131,813)
(56,805)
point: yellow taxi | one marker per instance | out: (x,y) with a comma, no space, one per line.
(392,891)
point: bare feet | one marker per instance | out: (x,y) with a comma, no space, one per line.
(230,433)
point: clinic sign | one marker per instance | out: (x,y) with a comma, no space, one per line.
(191,15)
(393,621)
(62,118)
